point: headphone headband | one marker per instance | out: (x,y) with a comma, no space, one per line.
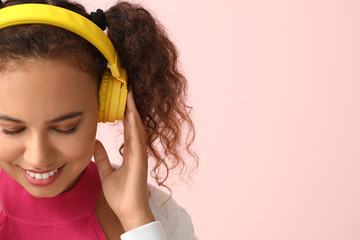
(34,13)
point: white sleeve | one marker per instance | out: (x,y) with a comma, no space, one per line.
(175,219)
(150,231)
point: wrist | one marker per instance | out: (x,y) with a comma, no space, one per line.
(130,223)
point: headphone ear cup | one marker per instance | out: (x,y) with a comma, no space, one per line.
(112,97)
(104,88)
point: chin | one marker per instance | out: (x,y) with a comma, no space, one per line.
(42,192)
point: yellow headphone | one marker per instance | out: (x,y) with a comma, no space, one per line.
(113,88)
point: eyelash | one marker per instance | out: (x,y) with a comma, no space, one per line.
(74,129)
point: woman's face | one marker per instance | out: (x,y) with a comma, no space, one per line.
(48,121)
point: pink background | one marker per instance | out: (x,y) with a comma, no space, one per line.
(275,89)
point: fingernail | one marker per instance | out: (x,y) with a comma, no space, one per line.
(131,93)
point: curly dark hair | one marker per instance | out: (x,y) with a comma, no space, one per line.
(150,58)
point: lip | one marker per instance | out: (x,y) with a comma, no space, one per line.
(42,182)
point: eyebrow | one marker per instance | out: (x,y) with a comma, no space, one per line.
(55,120)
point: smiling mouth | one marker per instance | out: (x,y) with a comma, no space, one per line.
(44,175)
(43,178)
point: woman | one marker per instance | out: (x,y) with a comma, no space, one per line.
(49,109)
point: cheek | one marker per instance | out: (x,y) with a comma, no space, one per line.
(80,146)
(10,150)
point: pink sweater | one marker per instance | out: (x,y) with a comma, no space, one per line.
(70,215)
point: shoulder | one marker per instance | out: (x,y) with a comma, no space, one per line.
(175,219)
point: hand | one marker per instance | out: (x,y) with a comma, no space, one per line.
(125,189)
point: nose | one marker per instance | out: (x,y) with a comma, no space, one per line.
(39,152)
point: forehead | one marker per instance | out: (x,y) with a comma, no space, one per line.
(44,88)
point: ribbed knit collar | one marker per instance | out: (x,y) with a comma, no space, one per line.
(72,205)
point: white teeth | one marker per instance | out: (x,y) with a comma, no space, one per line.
(45,176)
(41,175)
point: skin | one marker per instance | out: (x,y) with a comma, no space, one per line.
(42,90)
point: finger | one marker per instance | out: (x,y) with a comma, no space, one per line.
(102,160)
(133,126)
(134,135)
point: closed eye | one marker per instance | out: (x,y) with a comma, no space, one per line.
(70,131)
(7,132)
(74,129)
